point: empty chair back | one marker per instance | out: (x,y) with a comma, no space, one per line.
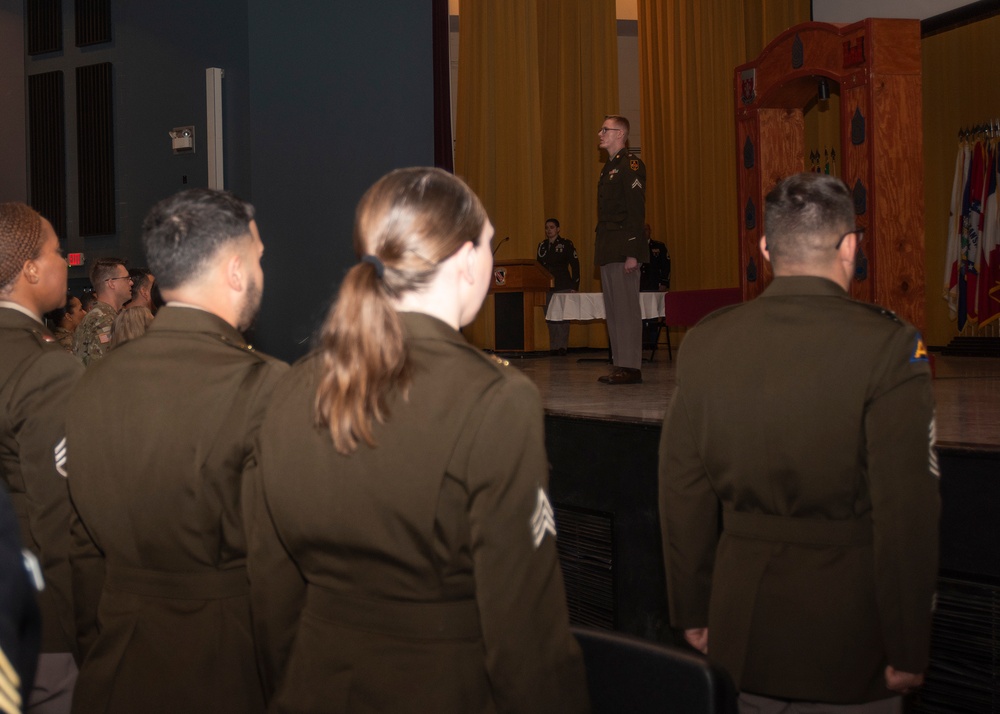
(627,674)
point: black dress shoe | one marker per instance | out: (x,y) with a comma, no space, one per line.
(606,379)
(625,376)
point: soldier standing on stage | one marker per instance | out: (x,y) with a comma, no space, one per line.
(558,256)
(621,248)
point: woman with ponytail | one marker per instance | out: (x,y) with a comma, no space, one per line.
(401,547)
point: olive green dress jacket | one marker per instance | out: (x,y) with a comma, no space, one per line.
(159,548)
(621,211)
(36,376)
(420,575)
(805,420)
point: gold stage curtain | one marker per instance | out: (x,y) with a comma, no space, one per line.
(535,79)
(498,139)
(687,54)
(578,67)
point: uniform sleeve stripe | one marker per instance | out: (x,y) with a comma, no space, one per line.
(10,686)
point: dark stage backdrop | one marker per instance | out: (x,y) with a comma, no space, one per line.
(340,94)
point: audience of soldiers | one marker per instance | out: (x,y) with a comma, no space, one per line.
(185,555)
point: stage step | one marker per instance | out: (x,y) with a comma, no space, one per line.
(973,347)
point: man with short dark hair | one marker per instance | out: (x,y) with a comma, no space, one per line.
(806,420)
(621,248)
(36,376)
(164,622)
(112,288)
(142,288)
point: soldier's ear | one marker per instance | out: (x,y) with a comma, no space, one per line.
(30,271)
(234,271)
(764,249)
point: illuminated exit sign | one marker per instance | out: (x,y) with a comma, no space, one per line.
(74,259)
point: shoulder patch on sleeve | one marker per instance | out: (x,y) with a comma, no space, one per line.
(919,351)
(634,164)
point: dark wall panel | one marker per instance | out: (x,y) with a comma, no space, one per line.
(47,147)
(13,97)
(95,148)
(93,22)
(341,93)
(44,26)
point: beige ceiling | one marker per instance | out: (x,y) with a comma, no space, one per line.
(627,9)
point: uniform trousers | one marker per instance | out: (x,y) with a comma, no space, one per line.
(624,314)
(54,682)
(558,330)
(756,704)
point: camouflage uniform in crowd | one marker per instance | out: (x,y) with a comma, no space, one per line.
(93,337)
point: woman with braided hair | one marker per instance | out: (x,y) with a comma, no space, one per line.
(401,549)
(36,377)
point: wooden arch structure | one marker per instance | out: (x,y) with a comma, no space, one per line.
(876,64)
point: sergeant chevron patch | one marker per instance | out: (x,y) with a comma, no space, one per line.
(542,520)
(59,452)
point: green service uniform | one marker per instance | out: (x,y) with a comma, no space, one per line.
(805,420)
(559,258)
(420,575)
(159,548)
(621,220)
(36,378)
(92,338)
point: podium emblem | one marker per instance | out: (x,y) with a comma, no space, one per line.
(499,276)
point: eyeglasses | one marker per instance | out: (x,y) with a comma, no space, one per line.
(606,129)
(120,277)
(858,231)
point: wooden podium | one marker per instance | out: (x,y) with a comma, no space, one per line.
(518,287)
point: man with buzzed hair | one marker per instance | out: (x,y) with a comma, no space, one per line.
(802,428)
(36,377)
(142,288)
(112,288)
(621,248)
(164,623)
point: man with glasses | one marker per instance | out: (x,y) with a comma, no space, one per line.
(805,419)
(113,288)
(621,248)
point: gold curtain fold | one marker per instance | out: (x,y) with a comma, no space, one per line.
(687,54)
(535,79)
(578,68)
(498,138)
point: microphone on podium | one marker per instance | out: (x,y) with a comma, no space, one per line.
(506,238)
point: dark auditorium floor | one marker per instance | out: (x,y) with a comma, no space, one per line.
(966,390)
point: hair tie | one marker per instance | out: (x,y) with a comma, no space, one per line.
(379,266)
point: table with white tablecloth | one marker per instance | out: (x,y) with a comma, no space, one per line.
(590,306)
